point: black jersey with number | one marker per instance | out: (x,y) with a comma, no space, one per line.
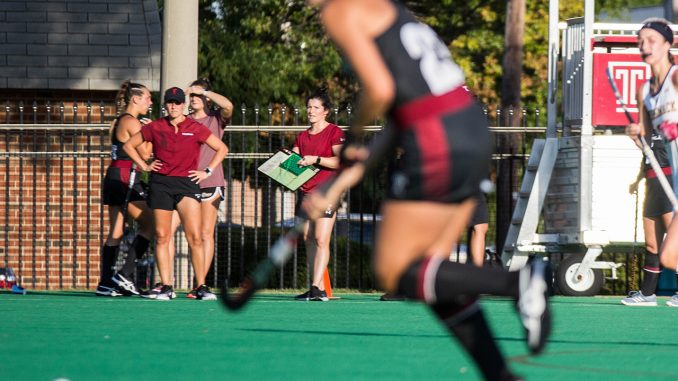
(418,59)
(117,153)
(440,127)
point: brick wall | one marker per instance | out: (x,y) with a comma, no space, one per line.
(84,44)
(53,220)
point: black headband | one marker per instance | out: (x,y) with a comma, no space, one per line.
(660,28)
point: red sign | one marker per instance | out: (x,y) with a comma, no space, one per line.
(629,73)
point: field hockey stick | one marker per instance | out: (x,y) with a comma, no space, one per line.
(645,147)
(128,196)
(279,254)
(130,186)
(282,249)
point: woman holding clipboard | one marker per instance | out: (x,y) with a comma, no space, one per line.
(319,145)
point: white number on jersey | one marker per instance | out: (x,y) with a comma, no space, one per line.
(441,74)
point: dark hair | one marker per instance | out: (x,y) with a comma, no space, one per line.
(202,82)
(128,89)
(322,96)
(205,84)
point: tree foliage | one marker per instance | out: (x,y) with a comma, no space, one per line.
(260,51)
(266,50)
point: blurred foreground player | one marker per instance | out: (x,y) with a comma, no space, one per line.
(408,74)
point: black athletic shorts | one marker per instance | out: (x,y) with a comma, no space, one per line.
(210,193)
(116,184)
(329,212)
(656,203)
(165,192)
(446,150)
(480,214)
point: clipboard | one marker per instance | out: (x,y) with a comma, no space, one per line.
(282,167)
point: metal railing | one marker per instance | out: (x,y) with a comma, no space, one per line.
(54,223)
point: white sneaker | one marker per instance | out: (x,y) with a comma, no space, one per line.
(533,304)
(673,302)
(636,298)
(125,284)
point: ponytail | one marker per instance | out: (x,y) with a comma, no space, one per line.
(322,95)
(127,90)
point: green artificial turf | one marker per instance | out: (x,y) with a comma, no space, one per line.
(76,336)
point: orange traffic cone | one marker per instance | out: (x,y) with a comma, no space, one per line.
(328,283)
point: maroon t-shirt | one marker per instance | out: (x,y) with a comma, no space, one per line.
(177,151)
(319,145)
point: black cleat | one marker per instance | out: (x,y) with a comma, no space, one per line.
(108,290)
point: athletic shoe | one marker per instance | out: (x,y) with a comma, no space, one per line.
(315,294)
(673,302)
(192,294)
(155,291)
(533,304)
(303,297)
(128,287)
(636,298)
(107,290)
(152,293)
(203,293)
(166,293)
(391,297)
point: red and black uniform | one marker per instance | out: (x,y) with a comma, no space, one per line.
(439,125)
(656,202)
(447,148)
(319,144)
(116,181)
(178,151)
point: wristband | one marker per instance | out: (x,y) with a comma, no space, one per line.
(208,170)
(317,161)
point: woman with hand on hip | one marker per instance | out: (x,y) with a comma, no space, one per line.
(174,184)
(201,97)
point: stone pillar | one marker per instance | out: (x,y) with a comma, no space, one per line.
(179,44)
(671,10)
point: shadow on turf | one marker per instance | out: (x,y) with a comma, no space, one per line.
(295,331)
(597,342)
(290,298)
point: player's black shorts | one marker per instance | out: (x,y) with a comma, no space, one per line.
(210,193)
(116,184)
(329,212)
(656,203)
(446,149)
(165,192)
(480,214)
